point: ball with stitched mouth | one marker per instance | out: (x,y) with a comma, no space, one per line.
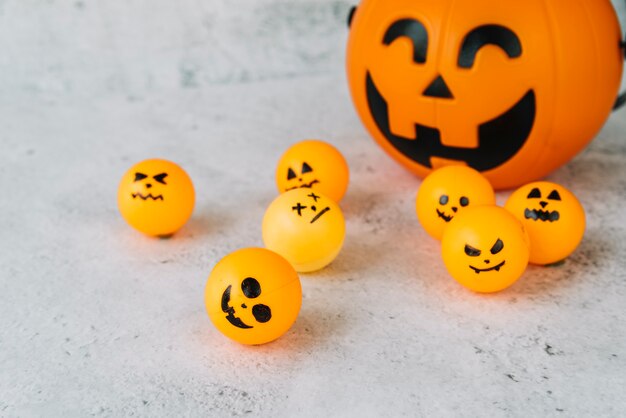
(306,227)
(553,217)
(448,190)
(486,249)
(156,197)
(316,165)
(253,296)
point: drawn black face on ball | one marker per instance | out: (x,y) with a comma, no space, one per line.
(302,210)
(148,184)
(443,202)
(475,252)
(251,289)
(305,179)
(543,214)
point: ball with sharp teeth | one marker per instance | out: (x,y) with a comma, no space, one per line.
(553,217)
(315,165)
(305,227)
(485,249)
(156,197)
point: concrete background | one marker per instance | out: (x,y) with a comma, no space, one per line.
(96,319)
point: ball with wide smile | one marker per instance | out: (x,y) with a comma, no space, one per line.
(485,249)
(253,296)
(448,190)
(316,165)
(156,197)
(305,227)
(553,217)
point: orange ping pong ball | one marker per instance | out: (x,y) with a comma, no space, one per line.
(156,197)
(485,249)
(305,227)
(253,296)
(448,190)
(553,217)
(316,165)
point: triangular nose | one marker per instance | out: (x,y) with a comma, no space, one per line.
(543,204)
(439,89)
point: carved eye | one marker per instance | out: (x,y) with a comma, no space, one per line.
(554,195)
(443,199)
(471,251)
(291,174)
(160,178)
(413,30)
(139,176)
(497,247)
(496,35)
(306,168)
(534,194)
(464,201)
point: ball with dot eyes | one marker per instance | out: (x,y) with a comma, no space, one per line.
(253,296)
(486,248)
(305,227)
(447,191)
(553,217)
(315,165)
(156,197)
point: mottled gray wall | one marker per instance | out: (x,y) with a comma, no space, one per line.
(133,46)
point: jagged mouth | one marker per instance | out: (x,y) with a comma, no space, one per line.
(542,215)
(304,186)
(226,308)
(443,216)
(499,139)
(146,197)
(496,268)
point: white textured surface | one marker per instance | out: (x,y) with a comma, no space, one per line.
(96,319)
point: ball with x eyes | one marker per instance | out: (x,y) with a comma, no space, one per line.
(156,197)
(486,248)
(553,217)
(447,191)
(253,296)
(315,165)
(305,227)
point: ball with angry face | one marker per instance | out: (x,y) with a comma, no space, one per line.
(485,249)
(553,217)
(156,197)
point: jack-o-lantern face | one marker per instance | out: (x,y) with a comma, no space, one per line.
(485,248)
(156,197)
(553,217)
(253,295)
(306,169)
(479,82)
(313,164)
